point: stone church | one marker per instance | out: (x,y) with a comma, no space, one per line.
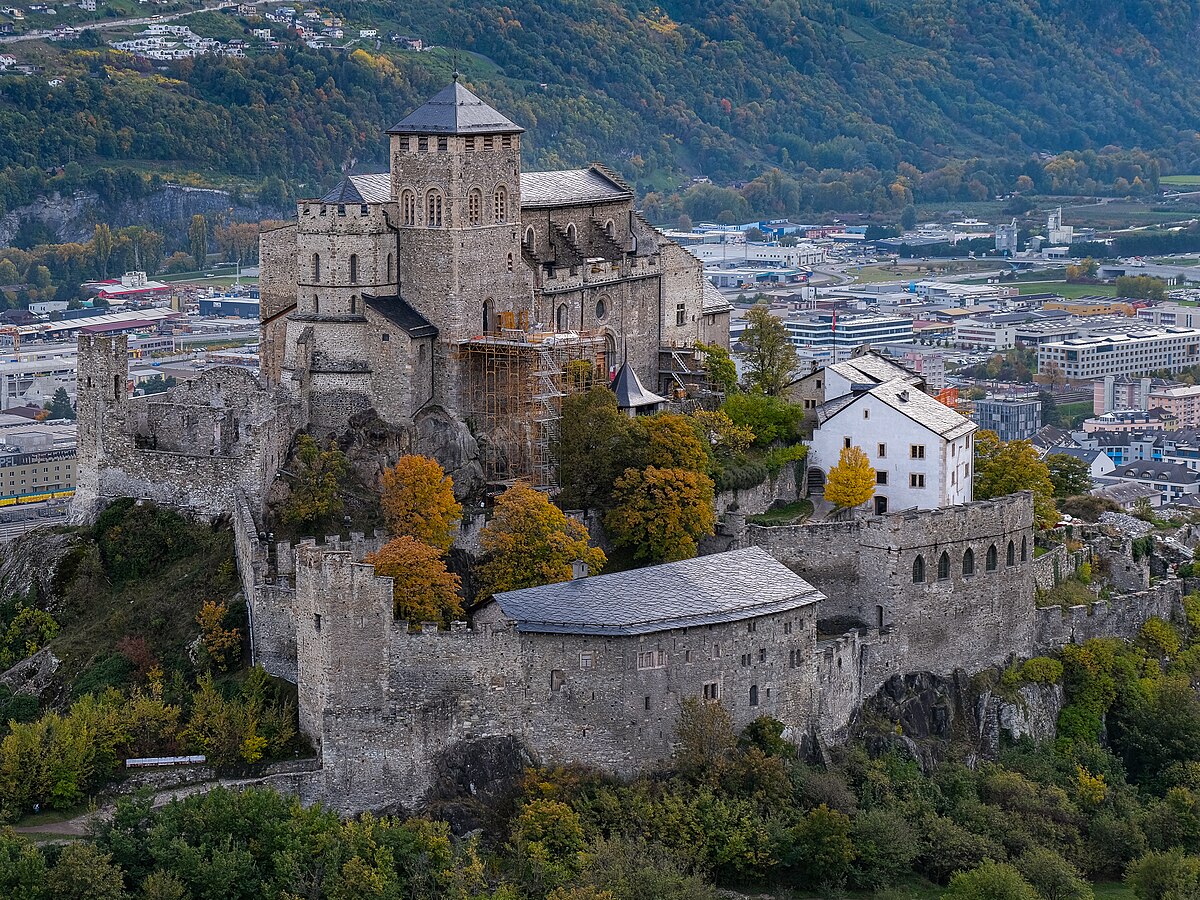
(457,281)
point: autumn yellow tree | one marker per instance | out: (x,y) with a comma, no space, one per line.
(423,590)
(418,500)
(661,514)
(851,482)
(530,542)
(223,645)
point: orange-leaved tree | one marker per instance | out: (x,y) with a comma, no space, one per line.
(423,589)
(851,482)
(223,645)
(530,542)
(418,500)
(661,514)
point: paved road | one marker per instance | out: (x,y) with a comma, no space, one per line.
(113,23)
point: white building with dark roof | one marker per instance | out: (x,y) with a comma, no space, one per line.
(921,450)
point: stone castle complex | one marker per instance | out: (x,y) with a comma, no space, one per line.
(446,303)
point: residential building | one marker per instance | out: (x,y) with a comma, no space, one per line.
(1128,494)
(860,372)
(37,461)
(1134,352)
(1098,462)
(1172,480)
(833,337)
(921,450)
(1007,238)
(1131,420)
(980,334)
(1167,315)
(1182,402)
(1012,418)
(1122,446)
(1118,392)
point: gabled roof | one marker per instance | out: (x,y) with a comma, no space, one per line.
(1088,456)
(871,368)
(714,300)
(361,189)
(909,401)
(722,587)
(455,110)
(630,392)
(400,313)
(571,186)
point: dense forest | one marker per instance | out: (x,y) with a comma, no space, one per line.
(818,106)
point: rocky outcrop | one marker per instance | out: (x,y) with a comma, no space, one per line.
(30,564)
(448,440)
(168,209)
(474,780)
(32,676)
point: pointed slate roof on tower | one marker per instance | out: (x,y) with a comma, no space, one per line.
(630,392)
(455,110)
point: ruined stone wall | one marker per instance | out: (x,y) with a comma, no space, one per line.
(277,295)
(195,448)
(866,569)
(1121,616)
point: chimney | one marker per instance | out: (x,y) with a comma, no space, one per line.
(903,395)
(579,569)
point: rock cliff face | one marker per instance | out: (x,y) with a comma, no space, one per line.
(931,717)
(30,564)
(169,210)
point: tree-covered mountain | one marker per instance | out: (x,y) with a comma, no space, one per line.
(816,104)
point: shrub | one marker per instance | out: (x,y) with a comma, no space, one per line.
(1160,637)
(736,478)
(990,881)
(1042,670)
(770,418)
(779,457)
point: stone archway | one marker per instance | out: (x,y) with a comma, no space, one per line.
(816,480)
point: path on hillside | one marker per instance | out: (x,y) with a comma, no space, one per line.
(42,35)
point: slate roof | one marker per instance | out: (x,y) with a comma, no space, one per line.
(714,300)
(455,110)
(911,402)
(872,369)
(1125,492)
(570,186)
(398,311)
(723,587)
(1147,469)
(630,392)
(361,189)
(1088,456)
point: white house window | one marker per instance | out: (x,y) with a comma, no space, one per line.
(916,451)
(916,480)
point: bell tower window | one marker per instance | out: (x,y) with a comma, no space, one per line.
(408,208)
(433,210)
(474,208)
(354,268)
(501,204)
(316,267)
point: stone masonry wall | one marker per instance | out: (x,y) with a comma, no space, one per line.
(1122,616)
(758,499)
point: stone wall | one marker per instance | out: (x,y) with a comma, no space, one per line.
(883,571)
(1121,616)
(783,488)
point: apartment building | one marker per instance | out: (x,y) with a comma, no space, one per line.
(1134,352)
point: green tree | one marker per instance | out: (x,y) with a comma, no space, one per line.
(102,247)
(1165,876)
(704,736)
(720,368)
(822,851)
(60,405)
(772,419)
(908,217)
(548,839)
(660,515)
(851,482)
(198,241)
(530,542)
(83,872)
(769,354)
(590,448)
(1003,468)
(990,881)
(1052,876)
(8,272)
(1070,475)
(316,488)
(22,868)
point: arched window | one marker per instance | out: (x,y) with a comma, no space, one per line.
(1011,558)
(754,695)
(433,209)
(489,316)
(571,232)
(353,304)
(560,318)
(474,207)
(943,566)
(354,268)
(608,228)
(919,570)
(501,198)
(408,208)
(992,559)
(316,267)
(391,270)
(1024,550)
(530,237)
(316,304)
(610,356)
(969,562)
